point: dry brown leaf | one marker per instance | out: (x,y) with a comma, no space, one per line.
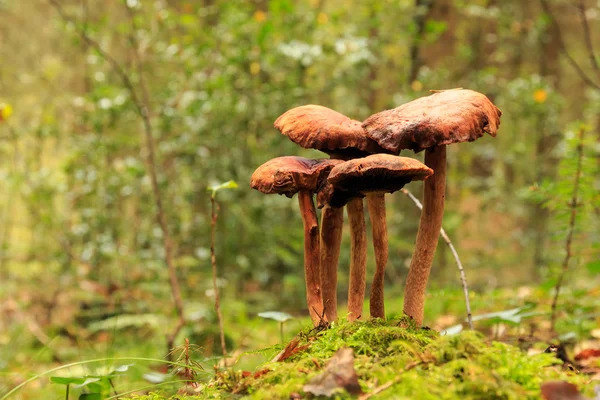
(561,390)
(339,374)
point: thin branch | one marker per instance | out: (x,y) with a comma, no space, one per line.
(145,114)
(588,37)
(143,110)
(213,260)
(461,270)
(111,60)
(571,229)
(563,47)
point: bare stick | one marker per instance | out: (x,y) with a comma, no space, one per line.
(563,47)
(144,112)
(213,260)
(588,37)
(568,252)
(461,270)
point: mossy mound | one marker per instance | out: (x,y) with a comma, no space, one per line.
(405,361)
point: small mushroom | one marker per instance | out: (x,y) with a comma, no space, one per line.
(317,127)
(375,176)
(430,123)
(288,176)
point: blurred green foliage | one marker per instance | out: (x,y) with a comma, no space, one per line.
(79,240)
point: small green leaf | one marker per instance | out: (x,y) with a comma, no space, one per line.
(91,396)
(88,381)
(156,377)
(62,380)
(453,330)
(276,315)
(225,185)
(513,315)
(121,368)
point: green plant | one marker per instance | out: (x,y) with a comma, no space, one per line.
(278,316)
(97,387)
(213,257)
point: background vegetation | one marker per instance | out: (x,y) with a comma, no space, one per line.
(108,145)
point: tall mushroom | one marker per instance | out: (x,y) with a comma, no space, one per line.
(288,176)
(430,123)
(318,127)
(375,176)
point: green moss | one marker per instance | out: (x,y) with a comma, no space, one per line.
(420,363)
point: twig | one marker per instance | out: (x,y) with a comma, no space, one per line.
(463,277)
(563,47)
(588,37)
(213,260)
(571,229)
(38,333)
(144,112)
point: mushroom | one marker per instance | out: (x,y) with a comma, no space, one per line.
(288,176)
(317,127)
(430,123)
(375,176)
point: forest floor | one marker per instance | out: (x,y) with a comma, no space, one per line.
(383,359)
(504,358)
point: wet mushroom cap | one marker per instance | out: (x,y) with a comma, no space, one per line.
(377,173)
(317,127)
(445,117)
(289,175)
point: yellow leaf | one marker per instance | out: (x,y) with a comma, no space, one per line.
(260,16)
(540,96)
(322,18)
(254,68)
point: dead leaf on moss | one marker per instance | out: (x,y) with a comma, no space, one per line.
(339,374)
(561,390)
(587,354)
(291,349)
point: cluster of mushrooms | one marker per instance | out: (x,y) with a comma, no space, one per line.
(363,162)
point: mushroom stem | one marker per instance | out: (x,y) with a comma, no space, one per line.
(376,204)
(434,190)
(311,257)
(332,221)
(358,261)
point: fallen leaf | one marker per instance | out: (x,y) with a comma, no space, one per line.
(560,390)
(339,374)
(291,349)
(260,373)
(587,353)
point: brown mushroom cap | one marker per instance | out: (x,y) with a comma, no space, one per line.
(317,127)
(336,198)
(375,173)
(289,175)
(378,173)
(445,117)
